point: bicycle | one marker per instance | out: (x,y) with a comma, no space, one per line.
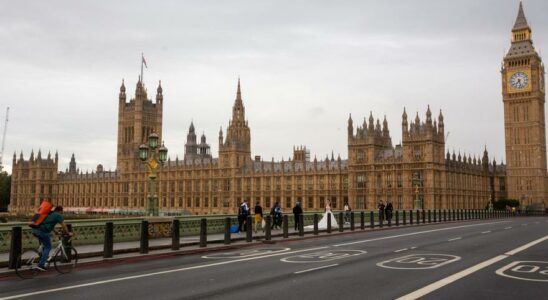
(63,256)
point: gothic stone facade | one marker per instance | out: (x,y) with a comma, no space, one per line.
(418,173)
(375,170)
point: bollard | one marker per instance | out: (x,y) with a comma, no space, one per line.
(362,220)
(248,230)
(144,237)
(429,216)
(315,224)
(352,227)
(15,246)
(453,213)
(228,223)
(341,222)
(301,225)
(175,234)
(329,222)
(418,217)
(390,222)
(423,216)
(444,215)
(203,232)
(285,226)
(404,218)
(434,216)
(372,219)
(68,242)
(108,245)
(410,217)
(267,232)
(397,218)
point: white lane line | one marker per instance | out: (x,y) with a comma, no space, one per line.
(454,239)
(155,274)
(413,248)
(450,279)
(400,250)
(524,224)
(314,269)
(509,227)
(414,233)
(486,232)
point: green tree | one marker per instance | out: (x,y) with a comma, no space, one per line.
(5,188)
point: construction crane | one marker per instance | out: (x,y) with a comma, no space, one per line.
(4,138)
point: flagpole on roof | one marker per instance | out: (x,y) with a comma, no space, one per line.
(142,60)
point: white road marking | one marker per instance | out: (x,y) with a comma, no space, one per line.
(532,267)
(314,269)
(419,261)
(413,248)
(450,279)
(400,250)
(415,233)
(509,227)
(486,232)
(454,239)
(154,274)
(524,224)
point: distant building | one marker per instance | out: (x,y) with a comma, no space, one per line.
(418,173)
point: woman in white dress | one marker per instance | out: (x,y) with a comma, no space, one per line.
(322,224)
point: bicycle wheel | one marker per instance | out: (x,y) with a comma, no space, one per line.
(25,266)
(65,262)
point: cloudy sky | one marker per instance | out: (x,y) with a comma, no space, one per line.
(304,66)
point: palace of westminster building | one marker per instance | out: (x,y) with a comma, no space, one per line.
(418,173)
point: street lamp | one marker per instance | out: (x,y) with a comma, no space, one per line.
(147,154)
(416,183)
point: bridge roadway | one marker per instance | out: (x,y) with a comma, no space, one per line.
(502,259)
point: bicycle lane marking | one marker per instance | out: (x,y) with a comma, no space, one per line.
(452,278)
(154,274)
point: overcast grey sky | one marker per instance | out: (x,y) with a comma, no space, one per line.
(304,66)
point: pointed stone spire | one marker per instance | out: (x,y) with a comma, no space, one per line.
(159,90)
(428,115)
(31,155)
(404,124)
(521,21)
(350,126)
(371,122)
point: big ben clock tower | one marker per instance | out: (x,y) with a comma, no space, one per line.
(524,121)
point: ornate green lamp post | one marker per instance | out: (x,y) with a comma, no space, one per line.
(152,157)
(416,184)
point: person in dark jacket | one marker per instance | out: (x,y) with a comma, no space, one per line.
(297,212)
(381,211)
(388,211)
(243,212)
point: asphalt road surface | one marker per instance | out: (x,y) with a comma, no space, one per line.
(502,259)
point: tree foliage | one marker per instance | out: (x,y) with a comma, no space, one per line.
(5,188)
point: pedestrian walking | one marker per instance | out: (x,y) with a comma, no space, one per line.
(347,211)
(276,214)
(243,212)
(297,212)
(388,211)
(381,211)
(258,216)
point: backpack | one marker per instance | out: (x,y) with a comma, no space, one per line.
(43,212)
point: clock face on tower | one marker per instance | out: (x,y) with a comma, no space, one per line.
(519,80)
